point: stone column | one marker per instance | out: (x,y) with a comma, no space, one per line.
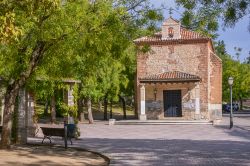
(70,100)
(143,104)
(197,102)
(22,118)
(69,96)
(30,115)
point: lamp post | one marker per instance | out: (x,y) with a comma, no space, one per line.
(155,93)
(230,82)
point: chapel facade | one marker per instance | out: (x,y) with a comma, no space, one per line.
(179,77)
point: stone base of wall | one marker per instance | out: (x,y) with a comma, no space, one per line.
(143,117)
(154,115)
(155,111)
(188,114)
(215,112)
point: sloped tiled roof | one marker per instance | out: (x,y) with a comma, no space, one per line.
(185,35)
(171,76)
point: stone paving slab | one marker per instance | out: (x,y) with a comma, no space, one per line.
(167,145)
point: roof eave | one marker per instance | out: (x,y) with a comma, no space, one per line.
(171,41)
(168,80)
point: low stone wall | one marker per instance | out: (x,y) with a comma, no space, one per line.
(154,109)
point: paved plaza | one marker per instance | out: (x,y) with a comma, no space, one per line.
(162,145)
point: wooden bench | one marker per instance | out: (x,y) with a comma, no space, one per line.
(48,132)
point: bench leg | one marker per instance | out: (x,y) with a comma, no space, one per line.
(43,139)
(70,141)
(47,138)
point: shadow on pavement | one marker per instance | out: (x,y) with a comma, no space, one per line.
(236,131)
(27,155)
(127,152)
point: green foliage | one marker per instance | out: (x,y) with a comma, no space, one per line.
(204,21)
(239,71)
(210,12)
(91,42)
(106,62)
(66,110)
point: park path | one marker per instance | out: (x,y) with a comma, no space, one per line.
(163,145)
(168,145)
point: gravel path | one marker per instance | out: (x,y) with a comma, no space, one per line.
(49,156)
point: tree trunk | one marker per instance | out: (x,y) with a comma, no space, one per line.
(111,111)
(106,107)
(53,109)
(241,104)
(9,102)
(100,105)
(15,125)
(13,89)
(123,106)
(46,108)
(90,116)
(80,104)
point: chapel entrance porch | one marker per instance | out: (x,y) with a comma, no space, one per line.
(170,95)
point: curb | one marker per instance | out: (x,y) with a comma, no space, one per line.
(107,159)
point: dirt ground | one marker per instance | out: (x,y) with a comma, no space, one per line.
(50,156)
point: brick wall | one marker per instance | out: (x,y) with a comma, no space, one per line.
(195,58)
(189,58)
(215,79)
(215,93)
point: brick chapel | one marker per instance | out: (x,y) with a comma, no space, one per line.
(180,77)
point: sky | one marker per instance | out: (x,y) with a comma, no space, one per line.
(238,36)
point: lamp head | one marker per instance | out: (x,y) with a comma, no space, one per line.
(155,90)
(230,81)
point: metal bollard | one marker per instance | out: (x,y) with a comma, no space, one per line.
(65,136)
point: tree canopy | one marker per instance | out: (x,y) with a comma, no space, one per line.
(206,14)
(80,39)
(240,71)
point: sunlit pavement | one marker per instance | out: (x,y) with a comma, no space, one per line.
(152,145)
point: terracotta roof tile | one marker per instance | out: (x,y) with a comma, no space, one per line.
(185,35)
(171,76)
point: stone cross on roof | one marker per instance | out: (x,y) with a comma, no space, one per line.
(170,12)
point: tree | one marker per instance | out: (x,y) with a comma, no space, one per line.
(102,70)
(206,13)
(33,32)
(39,37)
(239,71)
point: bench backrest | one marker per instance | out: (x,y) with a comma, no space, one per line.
(53,131)
(49,131)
